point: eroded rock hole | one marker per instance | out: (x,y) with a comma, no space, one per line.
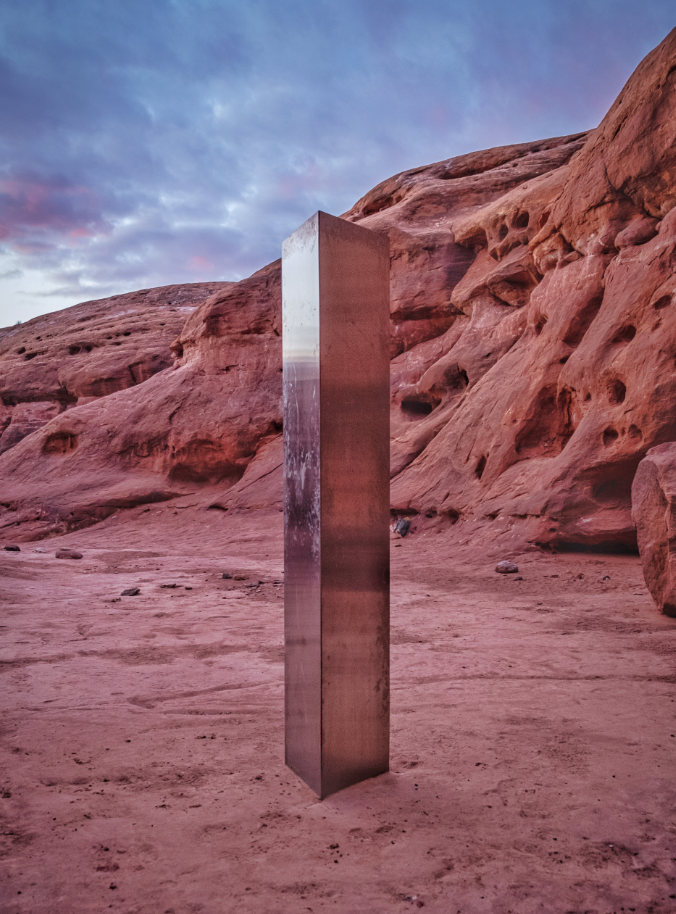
(415,408)
(582,321)
(625,334)
(551,426)
(502,234)
(617,391)
(59,444)
(540,324)
(521,221)
(662,302)
(610,436)
(73,350)
(480,467)
(455,378)
(29,356)
(21,351)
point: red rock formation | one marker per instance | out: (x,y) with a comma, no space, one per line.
(654,501)
(70,357)
(194,424)
(539,402)
(533,343)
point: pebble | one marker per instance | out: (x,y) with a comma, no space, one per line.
(226,576)
(131,591)
(506,567)
(39,549)
(68,554)
(402,526)
(12,549)
(168,585)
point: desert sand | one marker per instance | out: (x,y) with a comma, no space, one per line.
(532,752)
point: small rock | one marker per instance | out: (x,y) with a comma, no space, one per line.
(226,576)
(131,591)
(188,588)
(68,554)
(506,567)
(168,585)
(519,578)
(39,549)
(12,549)
(606,578)
(402,526)
(239,577)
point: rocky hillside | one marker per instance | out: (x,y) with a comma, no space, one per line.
(533,352)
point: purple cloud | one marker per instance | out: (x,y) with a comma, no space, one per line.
(153,143)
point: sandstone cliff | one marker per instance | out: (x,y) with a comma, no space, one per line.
(533,352)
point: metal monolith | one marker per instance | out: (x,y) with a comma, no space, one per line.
(335,294)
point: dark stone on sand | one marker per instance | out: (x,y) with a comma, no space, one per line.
(402,526)
(12,549)
(68,554)
(131,591)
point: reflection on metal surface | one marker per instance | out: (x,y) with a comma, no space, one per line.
(335,297)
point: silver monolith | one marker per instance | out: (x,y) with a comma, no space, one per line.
(335,299)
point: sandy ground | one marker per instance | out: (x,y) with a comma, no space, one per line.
(141,758)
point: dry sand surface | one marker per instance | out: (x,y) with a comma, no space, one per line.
(533,741)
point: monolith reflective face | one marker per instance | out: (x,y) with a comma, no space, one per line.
(335,295)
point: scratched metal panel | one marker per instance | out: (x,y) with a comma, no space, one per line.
(335,290)
(302,547)
(355,486)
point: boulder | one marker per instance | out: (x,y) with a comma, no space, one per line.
(506,567)
(653,496)
(65,553)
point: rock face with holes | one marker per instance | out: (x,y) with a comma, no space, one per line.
(533,305)
(557,371)
(66,358)
(184,427)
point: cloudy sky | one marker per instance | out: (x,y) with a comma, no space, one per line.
(148,142)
